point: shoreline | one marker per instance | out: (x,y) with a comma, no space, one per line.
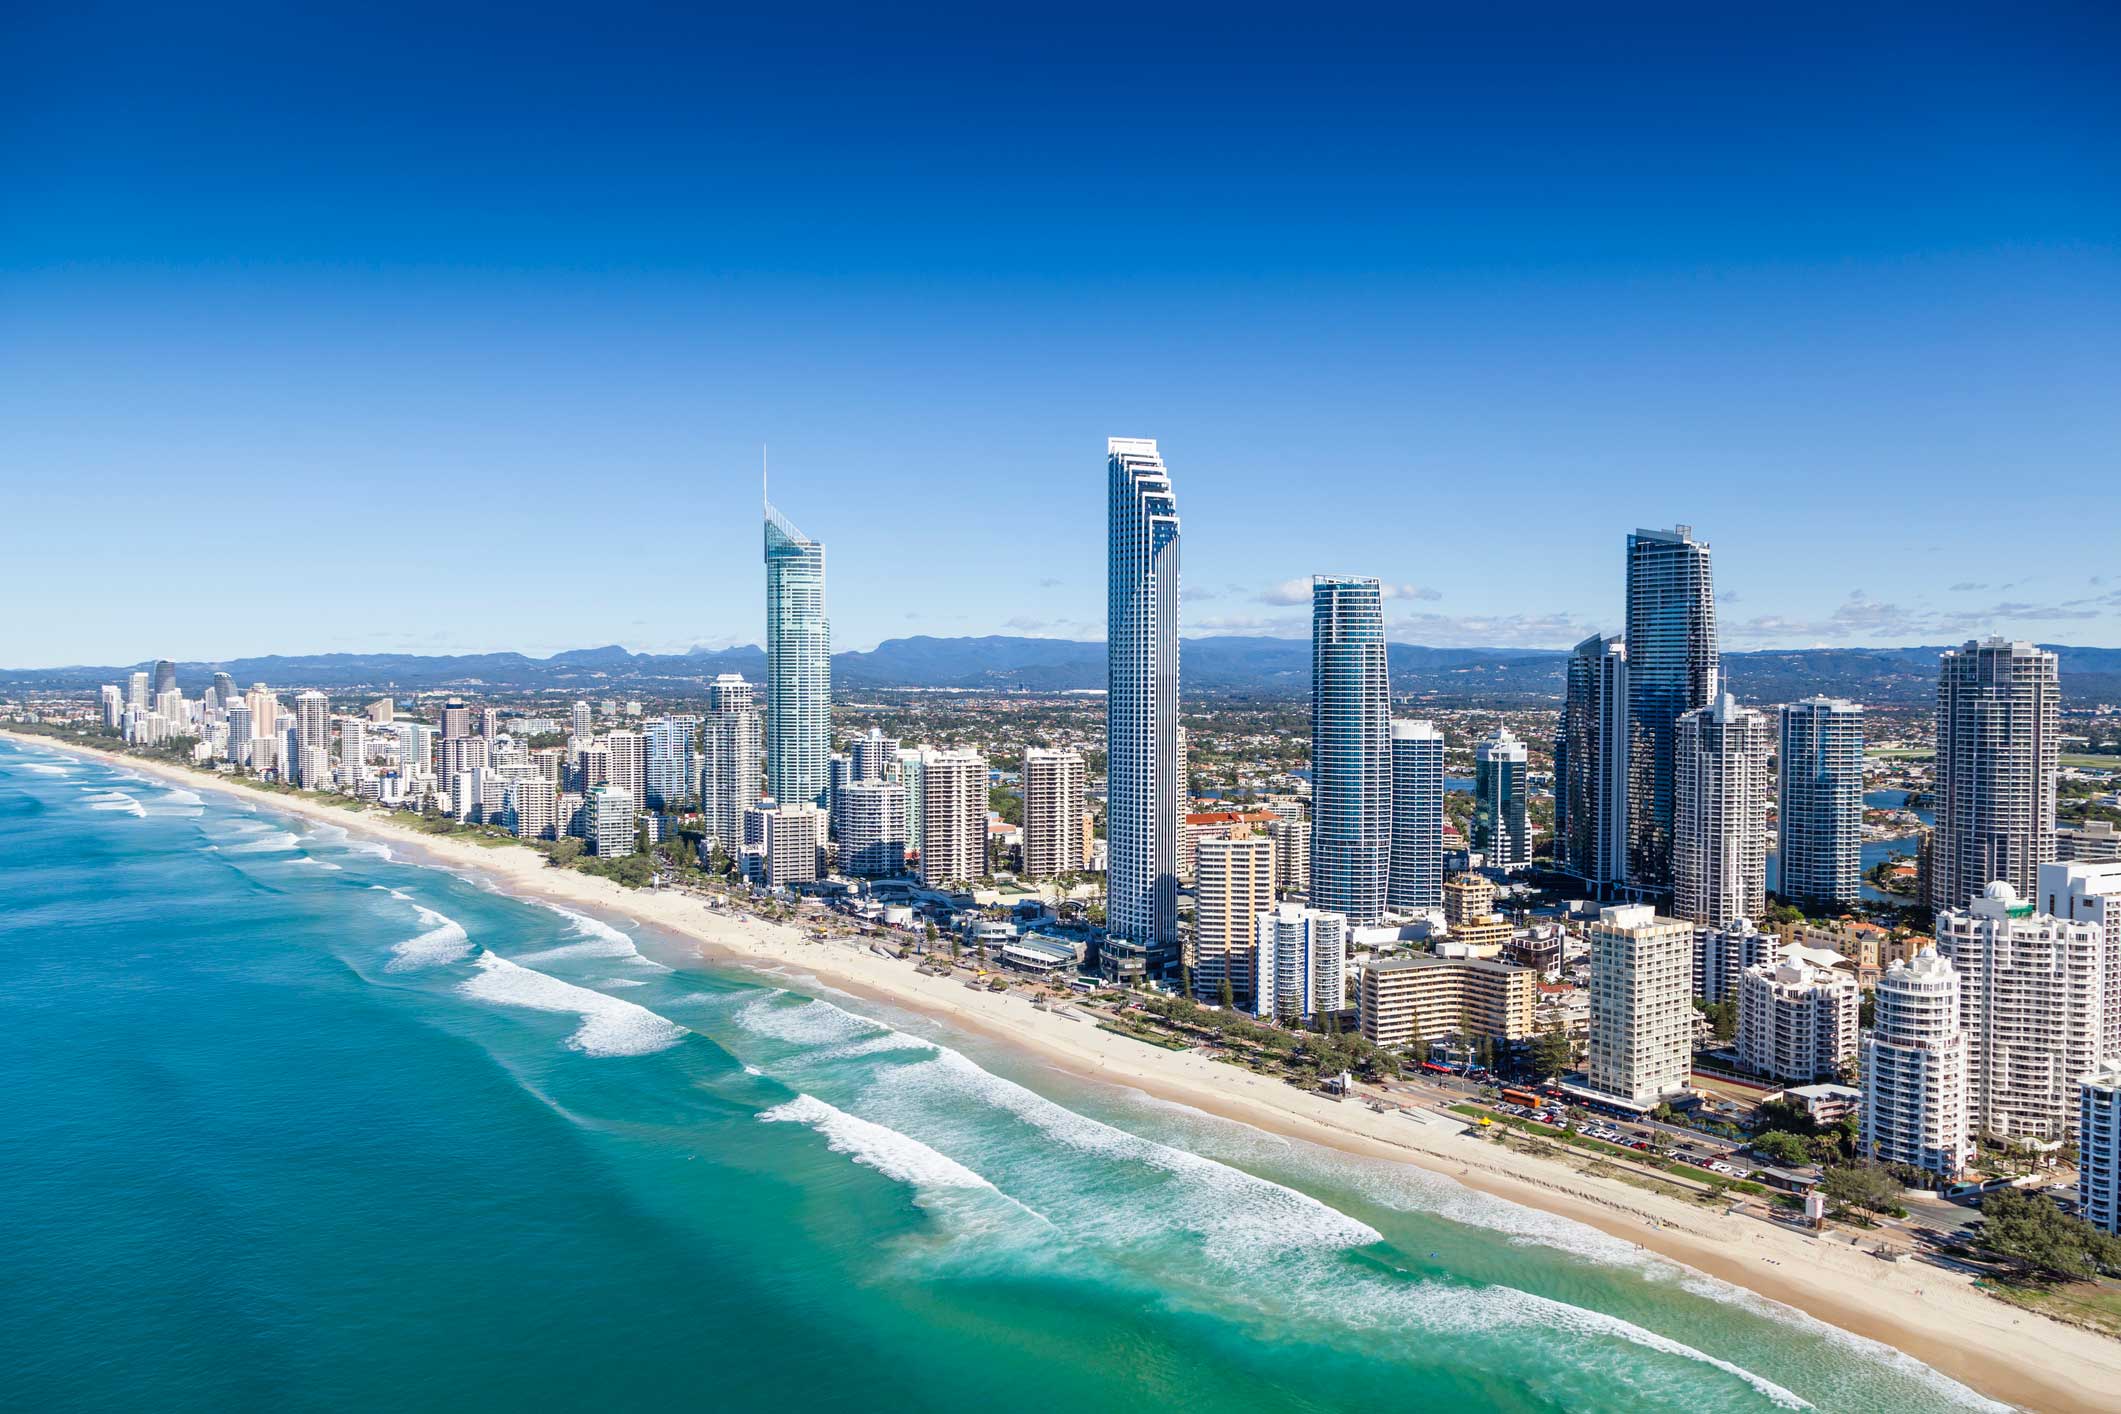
(1928,1313)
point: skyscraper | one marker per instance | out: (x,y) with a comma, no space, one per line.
(628,766)
(872,829)
(1591,766)
(1719,830)
(729,761)
(313,740)
(1672,669)
(1998,735)
(667,767)
(1235,885)
(1501,830)
(954,817)
(1642,1008)
(1301,969)
(1143,791)
(353,753)
(1351,755)
(224,690)
(873,756)
(2034,1011)
(1054,842)
(798,665)
(165,679)
(1416,878)
(456,719)
(1914,1070)
(1819,826)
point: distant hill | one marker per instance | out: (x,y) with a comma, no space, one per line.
(1249,666)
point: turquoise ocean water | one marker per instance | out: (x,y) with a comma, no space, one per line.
(294,1124)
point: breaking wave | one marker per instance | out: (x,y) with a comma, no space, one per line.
(610,1026)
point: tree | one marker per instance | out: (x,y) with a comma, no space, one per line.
(1781,1147)
(1227,997)
(1867,1187)
(2044,1242)
(1551,1052)
(1723,1017)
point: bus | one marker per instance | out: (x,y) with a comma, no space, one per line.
(1524,1097)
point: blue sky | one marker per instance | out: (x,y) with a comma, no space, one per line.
(396,331)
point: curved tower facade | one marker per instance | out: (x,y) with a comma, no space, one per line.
(1143,792)
(1672,669)
(1351,754)
(798,665)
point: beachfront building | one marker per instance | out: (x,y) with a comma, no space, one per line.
(1501,830)
(1914,1069)
(2099,1145)
(1056,834)
(798,712)
(1797,1022)
(783,844)
(670,760)
(1415,880)
(2082,892)
(1409,1001)
(1233,886)
(1351,755)
(1819,822)
(954,817)
(530,808)
(1998,742)
(1145,792)
(1672,669)
(731,752)
(2034,1008)
(1591,766)
(1642,1009)
(1719,822)
(873,830)
(353,754)
(609,828)
(1301,967)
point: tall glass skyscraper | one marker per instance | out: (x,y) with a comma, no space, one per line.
(798,665)
(1672,670)
(1416,878)
(1819,825)
(1143,791)
(1501,831)
(1591,766)
(1998,730)
(1351,758)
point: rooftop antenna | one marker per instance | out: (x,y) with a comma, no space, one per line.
(764,497)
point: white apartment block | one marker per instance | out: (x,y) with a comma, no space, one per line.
(1719,814)
(953,816)
(1796,1022)
(2099,1145)
(2087,892)
(2034,993)
(531,808)
(1234,885)
(1302,966)
(610,826)
(1055,827)
(1914,1069)
(784,842)
(1723,955)
(1642,1007)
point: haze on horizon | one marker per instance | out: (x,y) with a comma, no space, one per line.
(312,340)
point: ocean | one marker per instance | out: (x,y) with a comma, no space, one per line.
(292,1123)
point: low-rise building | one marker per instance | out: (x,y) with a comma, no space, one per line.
(1426,997)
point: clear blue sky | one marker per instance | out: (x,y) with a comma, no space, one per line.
(395,331)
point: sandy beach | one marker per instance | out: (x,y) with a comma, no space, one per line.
(1931,1314)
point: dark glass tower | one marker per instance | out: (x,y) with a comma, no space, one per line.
(1672,670)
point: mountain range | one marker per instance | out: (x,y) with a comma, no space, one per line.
(1266,667)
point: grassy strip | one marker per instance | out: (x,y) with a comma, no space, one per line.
(2093,1305)
(1599,1146)
(1133,1035)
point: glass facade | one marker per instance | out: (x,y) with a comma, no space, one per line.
(1672,670)
(1351,761)
(798,665)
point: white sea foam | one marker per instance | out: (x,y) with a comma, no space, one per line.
(329,834)
(47,768)
(879,1045)
(117,800)
(814,1023)
(600,939)
(271,843)
(380,851)
(886,1150)
(610,1026)
(443,940)
(1238,1217)
(620,982)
